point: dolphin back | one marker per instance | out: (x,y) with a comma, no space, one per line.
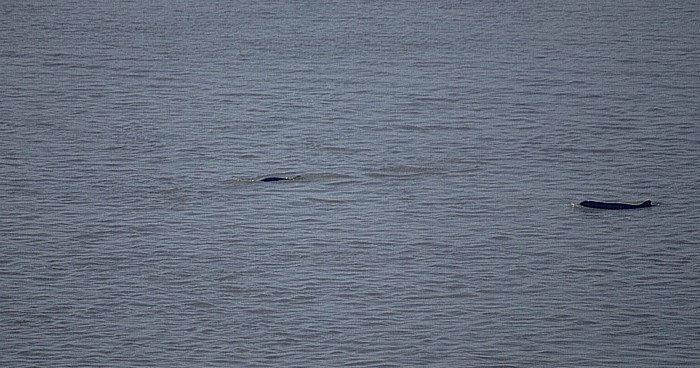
(615,206)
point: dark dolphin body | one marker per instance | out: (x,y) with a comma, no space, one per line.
(615,206)
(279,178)
(273,178)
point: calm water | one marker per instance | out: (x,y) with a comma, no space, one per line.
(440,146)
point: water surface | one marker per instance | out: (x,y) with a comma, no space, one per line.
(439,147)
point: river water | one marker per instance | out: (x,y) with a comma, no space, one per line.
(439,147)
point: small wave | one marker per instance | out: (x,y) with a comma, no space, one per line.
(242,179)
(403,171)
(329,200)
(319,176)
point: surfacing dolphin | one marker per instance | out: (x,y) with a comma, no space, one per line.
(273,178)
(278,178)
(615,206)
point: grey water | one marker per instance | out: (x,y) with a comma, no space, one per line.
(438,145)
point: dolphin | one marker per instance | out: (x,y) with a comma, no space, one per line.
(615,206)
(273,178)
(278,178)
